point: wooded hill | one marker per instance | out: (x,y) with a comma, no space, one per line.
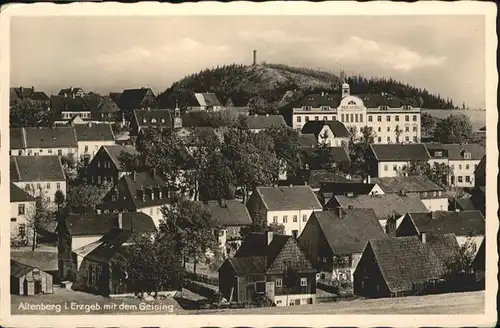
(271,81)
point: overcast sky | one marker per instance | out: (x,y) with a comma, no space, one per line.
(444,54)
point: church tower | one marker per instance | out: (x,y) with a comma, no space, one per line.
(177,116)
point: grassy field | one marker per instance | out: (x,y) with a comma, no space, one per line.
(455,303)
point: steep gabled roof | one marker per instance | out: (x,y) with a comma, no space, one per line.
(56,137)
(133,98)
(288,198)
(349,233)
(36,168)
(405,261)
(314,127)
(456,151)
(265,121)
(19,195)
(384,205)
(462,223)
(107,105)
(110,245)
(207,99)
(94,132)
(88,103)
(445,247)
(69,91)
(18,269)
(409,184)
(114,152)
(100,224)
(228,212)
(316,100)
(344,188)
(153,118)
(400,152)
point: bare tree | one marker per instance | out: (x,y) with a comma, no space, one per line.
(38,215)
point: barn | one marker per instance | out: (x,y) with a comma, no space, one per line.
(27,280)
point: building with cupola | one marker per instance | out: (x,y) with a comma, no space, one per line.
(393,120)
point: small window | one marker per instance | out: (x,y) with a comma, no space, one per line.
(38,186)
(356,118)
(98,164)
(460,178)
(407,129)
(22,230)
(303,282)
(414,118)
(361,118)
(21,209)
(467,178)
(153,120)
(306,118)
(386,167)
(388,139)
(379,118)
(459,166)
(304,218)
(41,151)
(370,119)
(394,167)
(59,152)
(50,151)
(279,283)
(415,128)
(407,118)
(414,139)
(379,139)
(325,118)
(467,155)
(13,219)
(299,119)
(58,185)
(334,118)
(388,118)
(388,129)
(275,219)
(467,166)
(396,118)
(295,218)
(48,185)
(285,219)
(379,129)
(316,118)
(407,138)
(452,167)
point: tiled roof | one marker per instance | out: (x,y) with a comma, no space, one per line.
(400,152)
(69,91)
(317,100)
(248,265)
(17,138)
(116,151)
(460,223)
(132,98)
(87,103)
(100,224)
(445,246)
(344,188)
(19,195)
(405,261)
(18,269)
(307,140)
(456,151)
(288,198)
(374,100)
(207,99)
(265,121)
(40,96)
(153,118)
(36,168)
(115,96)
(315,178)
(56,137)
(383,205)
(463,204)
(314,127)
(27,93)
(107,105)
(436,150)
(43,260)
(392,185)
(339,155)
(229,212)
(349,233)
(94,132)
(110,244)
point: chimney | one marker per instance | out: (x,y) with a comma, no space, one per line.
(120,221)
(423,237)
(222,202)
(90,124)
(368,179)
(73,95)
(32,88)
(269,237)
(21,88)
(255,57)
(340,212)
(433,215)
(134,176)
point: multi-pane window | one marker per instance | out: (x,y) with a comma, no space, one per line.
(414,118)
(22,230)
(370,119)
(295,218)
(414,128)
(304,218)
(379,139)
(316,118)
(279,283)
(388,118)
(388,129)
(396,118)
(467,178)
(379,129)
(386,167)
(275,219)
(361,118)
(407,129)
(21,209)
(460,179)
(285,219)
(467,166)
(303,282)
(407,118)
(379,118)
(58,185)
(299,119)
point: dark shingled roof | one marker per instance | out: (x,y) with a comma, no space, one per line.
(339,155)
(316,178)
(350,233)
(248,265)
(265,121)
(392,185)
(43,260)
(36,168)
(116,151)
(153,118)
(344,188)
(445,247)
(456,151)
(100,224)
(461,223)
(56,137)
(436,150)
(463,204)
(400,152)
(231,213)
(288,198)
(307,140)
(115,96)
(132,98)
(18,269)
(27,93)
(209,98)
(111,244)
(107,105)
(69,91)
(17,138)
(94,132)
(316,100)
(374,100)
(19,195)
(314,127)
(404,261)
(383,205)
(88,103)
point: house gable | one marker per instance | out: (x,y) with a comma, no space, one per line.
(292,254)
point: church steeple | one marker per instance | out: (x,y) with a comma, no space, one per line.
(177,116)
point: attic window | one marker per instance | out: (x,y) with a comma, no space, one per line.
(438,153)
(383,107)
(307,107)
(163,120)
(467,155)
(407,107)
(153,120)
(326,107)
(144,120)
(352,102)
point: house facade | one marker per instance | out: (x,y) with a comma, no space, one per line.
(205,101)
(392,160)
(91,137)
(44,141)
(29,281)
(331,133)
(288,206)
(22,205)
(384,113)
(107,166)
(72,92)
(272,266)
(160,119)
(257,123)
(131,99)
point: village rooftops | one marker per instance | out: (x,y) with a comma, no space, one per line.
(110,245)
(462,223)
(307,140)
(36,168)
(100,224)
(288,198)
(385,206)
(314,127)
(107,105)
(406,261)
(348,230)
(55,137)
(459,152)
(258,122)
(94,132)
(70,91)
(228,212)
(207,99)
(134,98)
(346,187)
(153,118)
(22,93)
(88,103)
(17,138)
(315,178)
(338,155)
(391,185)
(400,152)
(115,152)
(115,96)
(19,195)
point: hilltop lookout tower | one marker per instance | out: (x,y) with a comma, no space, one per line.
(255,57)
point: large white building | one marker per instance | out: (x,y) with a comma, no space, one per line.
(392,119)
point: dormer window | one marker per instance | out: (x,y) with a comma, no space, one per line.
(306,107)
(153,120)
(438,153)
(352,102)
(467,155)
(163,120)
(383,107)
(326,107)
(144,120)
